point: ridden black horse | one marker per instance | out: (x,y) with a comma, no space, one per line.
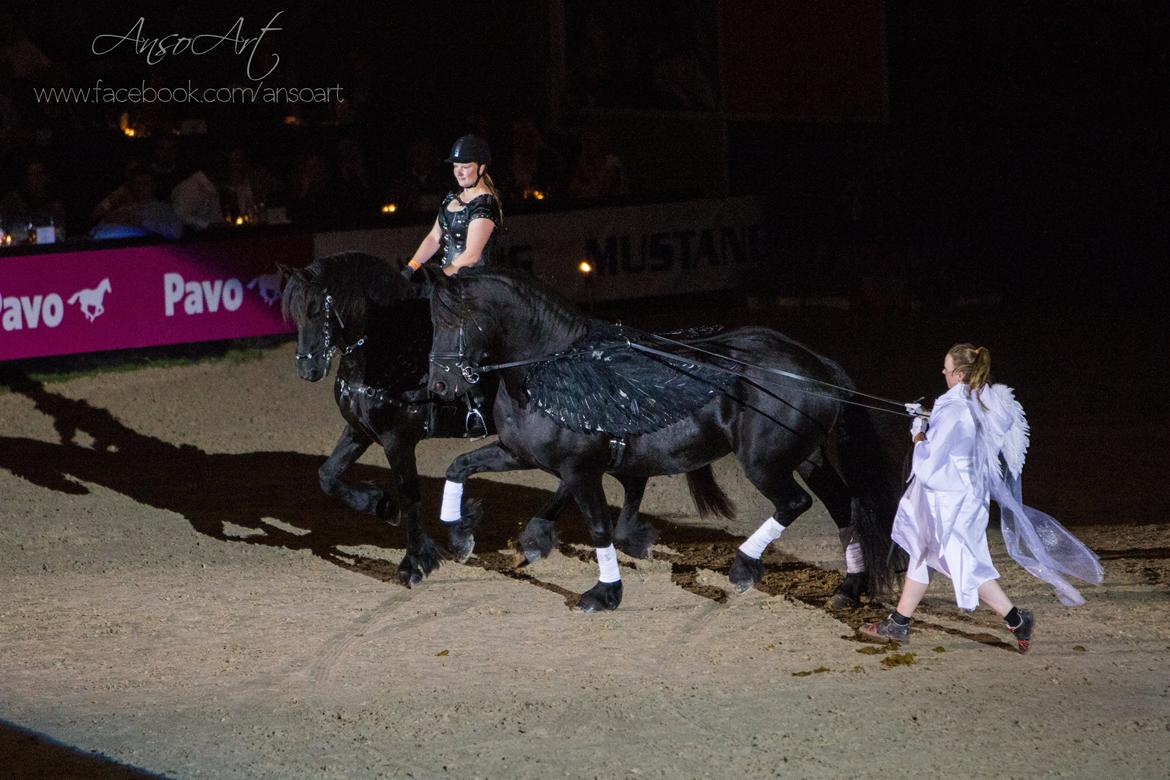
(574,396)
(360,306)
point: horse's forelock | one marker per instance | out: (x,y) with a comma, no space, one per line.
(346,277)
(292,299)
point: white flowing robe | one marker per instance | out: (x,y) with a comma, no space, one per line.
(942,518)
(973,452)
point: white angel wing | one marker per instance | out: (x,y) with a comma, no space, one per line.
(1015,440)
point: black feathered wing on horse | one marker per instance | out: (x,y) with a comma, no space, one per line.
(775,428)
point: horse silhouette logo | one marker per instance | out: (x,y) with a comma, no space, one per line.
(91,300)
(268,285)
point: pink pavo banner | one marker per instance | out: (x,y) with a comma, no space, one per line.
(101,299)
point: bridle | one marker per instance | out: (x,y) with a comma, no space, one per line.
(328,348)
(460,360)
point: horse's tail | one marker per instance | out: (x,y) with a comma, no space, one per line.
(73,299)
(252,284)
(709,498)
(874,498)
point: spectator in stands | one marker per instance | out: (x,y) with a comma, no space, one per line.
(136,189)
(164,167)
(132,210)
(356,195)
(599,174)
(196,198)
(313,190)
(248,188)
(26,62)
(33,201)
(421,187)
(13,124)
(535,168)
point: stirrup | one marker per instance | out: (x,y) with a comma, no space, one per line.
(474,426)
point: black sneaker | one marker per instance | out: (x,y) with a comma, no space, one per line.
(1024,631)
(886,631)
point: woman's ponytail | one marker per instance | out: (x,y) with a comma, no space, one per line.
(975,364)
(491,187)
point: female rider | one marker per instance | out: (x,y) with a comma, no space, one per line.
(468,220)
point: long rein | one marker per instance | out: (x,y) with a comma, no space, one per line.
(472,375)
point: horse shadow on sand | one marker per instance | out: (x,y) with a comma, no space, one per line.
(273,498)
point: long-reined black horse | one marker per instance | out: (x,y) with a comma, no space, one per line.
(576,400)
(359,306)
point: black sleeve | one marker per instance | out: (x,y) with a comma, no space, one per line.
(485,208)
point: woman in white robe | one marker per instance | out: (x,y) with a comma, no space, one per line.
(973,451)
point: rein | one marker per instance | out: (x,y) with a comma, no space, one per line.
(904,412)
(472,373)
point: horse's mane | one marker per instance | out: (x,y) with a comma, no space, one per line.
(514,288)
(349,277)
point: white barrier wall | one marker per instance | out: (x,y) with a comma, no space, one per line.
(636,251)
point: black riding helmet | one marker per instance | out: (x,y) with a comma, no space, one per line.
(470,148)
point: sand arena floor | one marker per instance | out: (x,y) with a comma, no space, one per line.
(177,596)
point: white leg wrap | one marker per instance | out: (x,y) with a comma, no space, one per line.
(767,533)
(607,562)
(854,562)
(452,502)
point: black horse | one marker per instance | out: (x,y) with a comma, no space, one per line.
(576,400)
(359,306)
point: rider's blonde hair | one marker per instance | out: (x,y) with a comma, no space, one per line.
(491,186)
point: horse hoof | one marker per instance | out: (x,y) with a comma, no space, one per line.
(602,597)
(419,563)
(538,538)
(843,601)
(409,574)
(461,550)
(642,553)
(387,509)
(745,572)
(848,593)
(635,537)
(461,533)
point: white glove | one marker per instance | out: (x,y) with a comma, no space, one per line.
(919,425)
(916,410)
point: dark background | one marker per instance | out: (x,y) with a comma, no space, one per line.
(962,151)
